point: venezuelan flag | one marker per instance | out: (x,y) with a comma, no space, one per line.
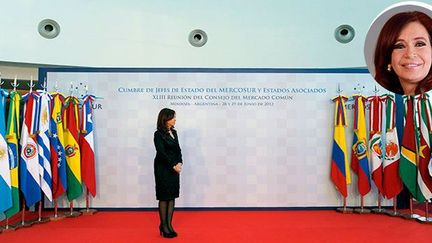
(58,158)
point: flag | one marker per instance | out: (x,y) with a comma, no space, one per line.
(375,142)
(43,143)
(87,145)
(29,160)
(5,175)
(58,158)
(339,172)
(424,179)
(392,184)
(12,135)
(72,150)
(359,159)
(408,160)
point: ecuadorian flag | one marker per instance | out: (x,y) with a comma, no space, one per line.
(340,173)
(359,159)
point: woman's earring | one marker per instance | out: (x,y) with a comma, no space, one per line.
(389,68)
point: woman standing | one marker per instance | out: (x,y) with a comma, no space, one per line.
(167,167)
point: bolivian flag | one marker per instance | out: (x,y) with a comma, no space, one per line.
(72,150)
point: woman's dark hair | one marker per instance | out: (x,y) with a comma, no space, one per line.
(165,115)
(385,45)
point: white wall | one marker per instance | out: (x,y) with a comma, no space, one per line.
(134,33)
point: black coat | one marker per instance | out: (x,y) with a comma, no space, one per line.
(168,154)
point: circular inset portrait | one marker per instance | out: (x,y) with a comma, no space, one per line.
(398,49)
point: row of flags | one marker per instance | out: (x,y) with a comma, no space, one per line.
(52,153)
(376,157)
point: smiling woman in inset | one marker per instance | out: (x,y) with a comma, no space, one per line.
(403,54)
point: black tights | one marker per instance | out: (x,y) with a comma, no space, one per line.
(166,211)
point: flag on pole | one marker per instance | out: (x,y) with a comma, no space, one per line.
(58,158)
(12,135)
(43,143)
(408,160)
(29,160)
(392,184)
(340,173)
(73,153)
(424,179)
(375,141)
(359,159)
(87,145)
(5,176)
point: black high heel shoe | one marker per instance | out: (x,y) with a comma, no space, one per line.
(166,234)
(174,233)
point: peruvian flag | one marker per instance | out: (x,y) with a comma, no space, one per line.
(392,183)
(86,144)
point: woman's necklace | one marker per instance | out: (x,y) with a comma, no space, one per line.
(170,133)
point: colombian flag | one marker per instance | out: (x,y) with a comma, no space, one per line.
(340,173)
(72,150)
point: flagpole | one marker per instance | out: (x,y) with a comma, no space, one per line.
(40,219)
(87,210)
(379,209)
(361,210)
(56,216)
(72,213)
(426,219)
(23,223)
(411,214)
(394,212)
(344,209)
(7,227)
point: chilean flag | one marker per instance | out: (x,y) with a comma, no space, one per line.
(86,144)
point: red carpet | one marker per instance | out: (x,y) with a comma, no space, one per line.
(227,226)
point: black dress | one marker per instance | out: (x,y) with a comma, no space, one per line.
(168,154)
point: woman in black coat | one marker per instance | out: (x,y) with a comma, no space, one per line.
(167,167)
